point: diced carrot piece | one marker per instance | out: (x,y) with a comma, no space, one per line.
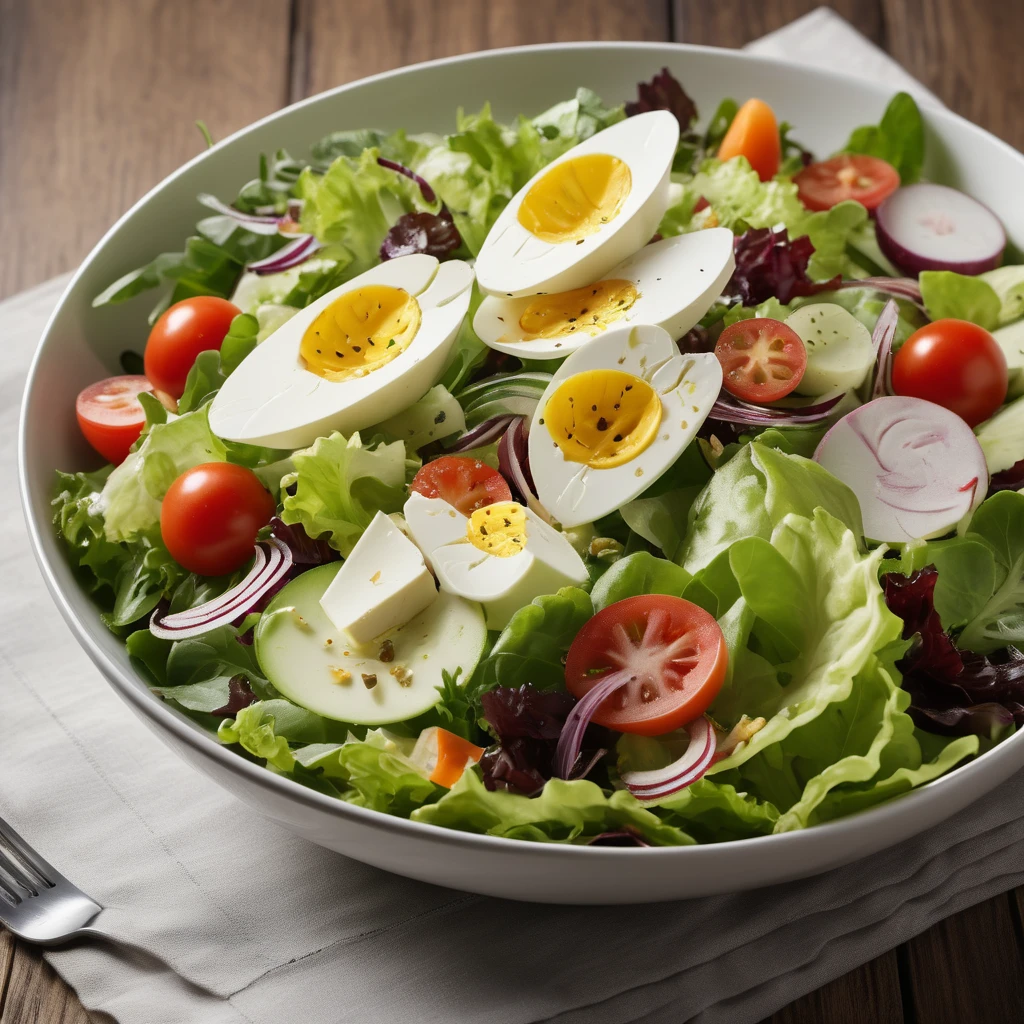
(755,135)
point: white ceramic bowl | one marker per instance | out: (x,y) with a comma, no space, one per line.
(81,344)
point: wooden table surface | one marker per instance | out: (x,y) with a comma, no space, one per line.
(97,103)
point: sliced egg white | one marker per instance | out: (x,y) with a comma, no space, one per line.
(584,212)
(503,556)
(356,356)
(615,417)
(672,283)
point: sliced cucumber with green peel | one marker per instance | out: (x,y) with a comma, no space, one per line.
(1011,341)
(839,350)
(394,678)
(1002,437)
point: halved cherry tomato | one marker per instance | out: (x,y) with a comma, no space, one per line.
(755,135)
(468,484)
(867,179)
(210,517)
(762,359)
(675,655)
(186,329)
(111,416)
(955,364)
(454,756)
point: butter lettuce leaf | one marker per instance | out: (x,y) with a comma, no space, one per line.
(340,485)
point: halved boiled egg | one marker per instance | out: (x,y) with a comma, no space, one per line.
(361,353)
(671,283)
(584,212)
(615,417)
(502,556)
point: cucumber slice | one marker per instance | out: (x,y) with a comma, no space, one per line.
(839,350)
(1011,341)
(315,665)
(1002,437)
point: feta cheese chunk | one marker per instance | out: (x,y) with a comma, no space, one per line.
(384,583)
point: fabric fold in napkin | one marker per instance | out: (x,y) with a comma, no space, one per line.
(215,916)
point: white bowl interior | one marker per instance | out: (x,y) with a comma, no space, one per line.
(81,344)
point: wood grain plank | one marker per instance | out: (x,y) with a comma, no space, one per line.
(964,54)
(738,22)
(36,995)
(968,969)
(6,959)
(341,42)
(97,104)
(869,993)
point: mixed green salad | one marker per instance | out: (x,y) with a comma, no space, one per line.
(607,477)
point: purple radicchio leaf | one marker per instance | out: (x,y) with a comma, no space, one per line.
(432,233)
(663,92)
(769,264)
(953,692)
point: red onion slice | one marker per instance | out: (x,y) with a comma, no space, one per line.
(426,191)
(696,760)
(882,338)
(259,224)
(514,465)
(899,287)
(272,562)
(570,740)
(730,410)
(917,469)
(291,255)
(482,434)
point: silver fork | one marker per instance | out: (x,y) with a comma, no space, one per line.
(37,902)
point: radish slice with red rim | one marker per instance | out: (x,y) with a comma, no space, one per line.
(271,565)
(917,469)
(935,227)
(685,771)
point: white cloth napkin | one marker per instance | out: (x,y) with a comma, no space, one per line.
(218,917)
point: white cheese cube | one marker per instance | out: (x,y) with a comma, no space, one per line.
(384,583)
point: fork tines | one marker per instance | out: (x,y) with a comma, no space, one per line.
(23,873)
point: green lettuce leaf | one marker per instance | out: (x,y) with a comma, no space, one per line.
(812,614)
(897,138)
(751,494)
(267,728)
(351,207)
(214,366)
(639,573)
(564,812)
(131,497)
(377,769)
(531,647)
(948,294)
(341,484)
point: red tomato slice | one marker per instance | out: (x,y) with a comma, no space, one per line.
(955,364)
(186,329)
(762,359)
(210,517)
(867,179)
(111,416)
(673,650)
(468,484)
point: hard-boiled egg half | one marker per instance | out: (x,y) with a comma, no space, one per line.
(502,556)
(361,353)
(616,415)
(672,283)
(583,213)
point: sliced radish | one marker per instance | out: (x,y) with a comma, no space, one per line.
(696,760)
(934,227)
(917,469)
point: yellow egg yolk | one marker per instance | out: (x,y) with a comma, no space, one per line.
(576,198)
(360,331)
(586,310)
(498,529)
(603,418)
